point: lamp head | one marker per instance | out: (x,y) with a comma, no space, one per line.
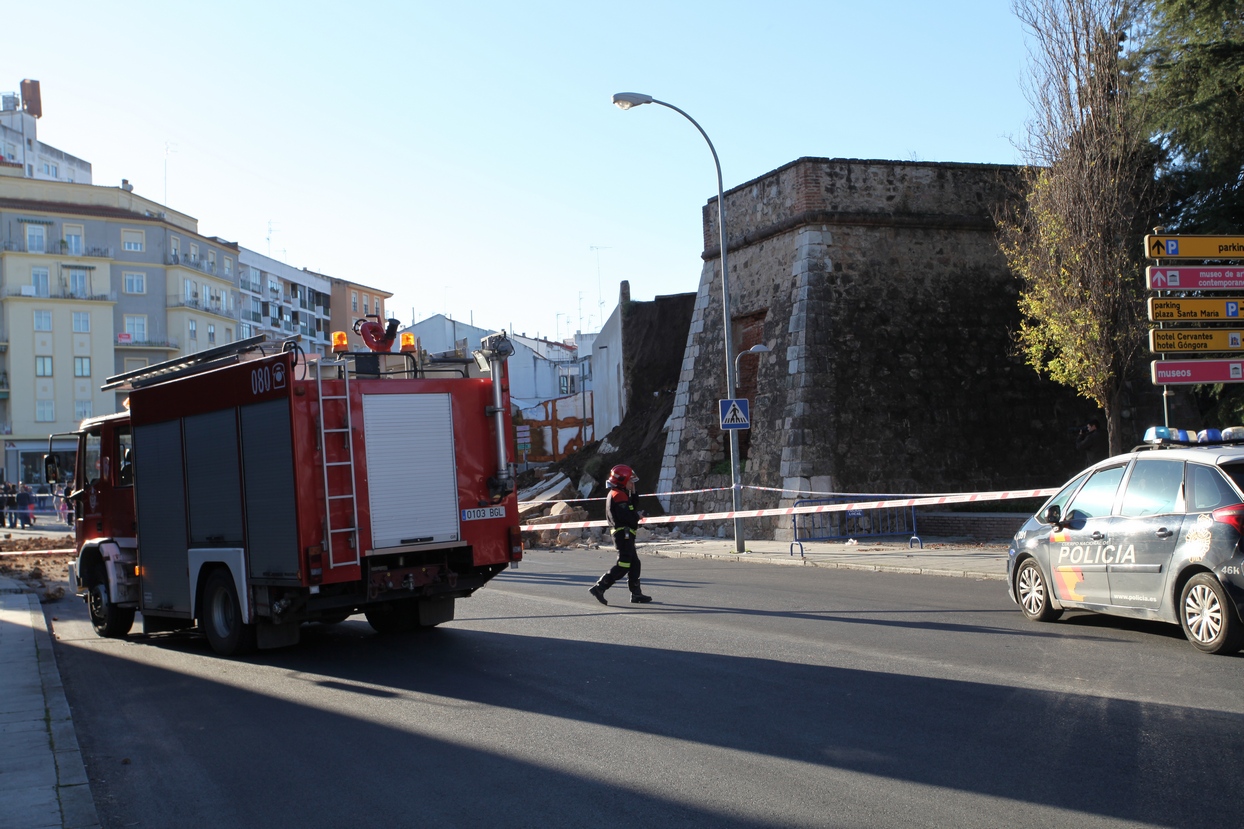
(626,100)
(758,348)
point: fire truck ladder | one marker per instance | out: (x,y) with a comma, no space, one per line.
(351,532)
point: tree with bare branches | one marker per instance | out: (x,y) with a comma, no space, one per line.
(1074,237)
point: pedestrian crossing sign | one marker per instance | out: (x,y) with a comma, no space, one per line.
(734,414)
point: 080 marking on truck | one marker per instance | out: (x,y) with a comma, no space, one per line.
(266,378)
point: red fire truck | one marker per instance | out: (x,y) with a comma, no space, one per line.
(249,492)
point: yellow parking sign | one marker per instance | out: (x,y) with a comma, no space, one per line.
(1194,247)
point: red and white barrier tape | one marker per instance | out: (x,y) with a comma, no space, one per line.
(961,498)
(637,495)
(37,552)
(798,493)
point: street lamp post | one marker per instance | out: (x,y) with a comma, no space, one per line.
(626,100)
(758,348)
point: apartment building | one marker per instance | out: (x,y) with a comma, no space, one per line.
(20,147)
(282,301)
(352,301)
(95,281)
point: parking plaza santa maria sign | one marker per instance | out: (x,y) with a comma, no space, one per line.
(1163,309)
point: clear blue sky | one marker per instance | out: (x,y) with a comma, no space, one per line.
(465,156)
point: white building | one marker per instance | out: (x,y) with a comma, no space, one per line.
(282,301)
(20,145)
(539,370)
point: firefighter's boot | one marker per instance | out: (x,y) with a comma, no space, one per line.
(598,589)
(637,595)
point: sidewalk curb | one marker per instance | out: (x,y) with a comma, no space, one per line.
(750,558)
(73,788)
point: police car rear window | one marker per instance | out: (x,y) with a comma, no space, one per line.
(1208,489)
(1236,472)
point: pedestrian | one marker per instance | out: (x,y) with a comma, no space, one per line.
(9,498)
(25,502)
(62,503)
(623,520)
(1089,440)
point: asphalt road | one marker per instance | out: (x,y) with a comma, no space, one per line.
(745,695)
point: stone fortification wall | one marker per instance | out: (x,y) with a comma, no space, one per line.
(888,310)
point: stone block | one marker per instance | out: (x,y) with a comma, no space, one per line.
(794,486)
(822,483)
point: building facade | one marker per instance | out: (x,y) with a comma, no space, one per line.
(95,281)
(20,147)
(353,301)
(281,301)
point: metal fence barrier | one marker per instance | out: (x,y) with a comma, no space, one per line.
(855,523)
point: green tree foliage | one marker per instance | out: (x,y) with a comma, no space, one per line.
(1192,66)
(1074,238)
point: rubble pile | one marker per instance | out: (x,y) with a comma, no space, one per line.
(47,575)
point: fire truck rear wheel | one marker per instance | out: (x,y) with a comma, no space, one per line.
(394,617)
(221,616)
(109,621)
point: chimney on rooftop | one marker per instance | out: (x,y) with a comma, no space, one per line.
(126,186)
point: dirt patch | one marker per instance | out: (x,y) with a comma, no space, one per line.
(47,575)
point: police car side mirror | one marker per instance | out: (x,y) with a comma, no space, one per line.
(1053,515)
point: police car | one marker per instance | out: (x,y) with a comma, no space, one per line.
(1152,534)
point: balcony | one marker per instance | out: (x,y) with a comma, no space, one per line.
(57,248)
(128,341)
(30,292)
(196,304)
(196,262)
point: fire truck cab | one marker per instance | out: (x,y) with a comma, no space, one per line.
(248,492)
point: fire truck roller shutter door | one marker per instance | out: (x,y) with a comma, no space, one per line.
(411,468)
(160,504)
(268,471)
(213,479)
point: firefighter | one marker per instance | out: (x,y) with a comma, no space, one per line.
(623,521)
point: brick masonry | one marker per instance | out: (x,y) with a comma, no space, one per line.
(889,311)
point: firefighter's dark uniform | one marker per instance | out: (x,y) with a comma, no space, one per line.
(623,521)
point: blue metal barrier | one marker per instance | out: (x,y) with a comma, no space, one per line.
(855,523)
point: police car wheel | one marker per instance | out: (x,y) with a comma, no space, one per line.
(1208,616)
(1033,593)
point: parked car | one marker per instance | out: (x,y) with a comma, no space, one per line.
(1151,534)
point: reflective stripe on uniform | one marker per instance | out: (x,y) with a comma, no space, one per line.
(617,530)
(622,563)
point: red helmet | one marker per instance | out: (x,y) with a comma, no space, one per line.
(621,476)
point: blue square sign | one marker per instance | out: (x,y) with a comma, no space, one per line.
(734,413)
